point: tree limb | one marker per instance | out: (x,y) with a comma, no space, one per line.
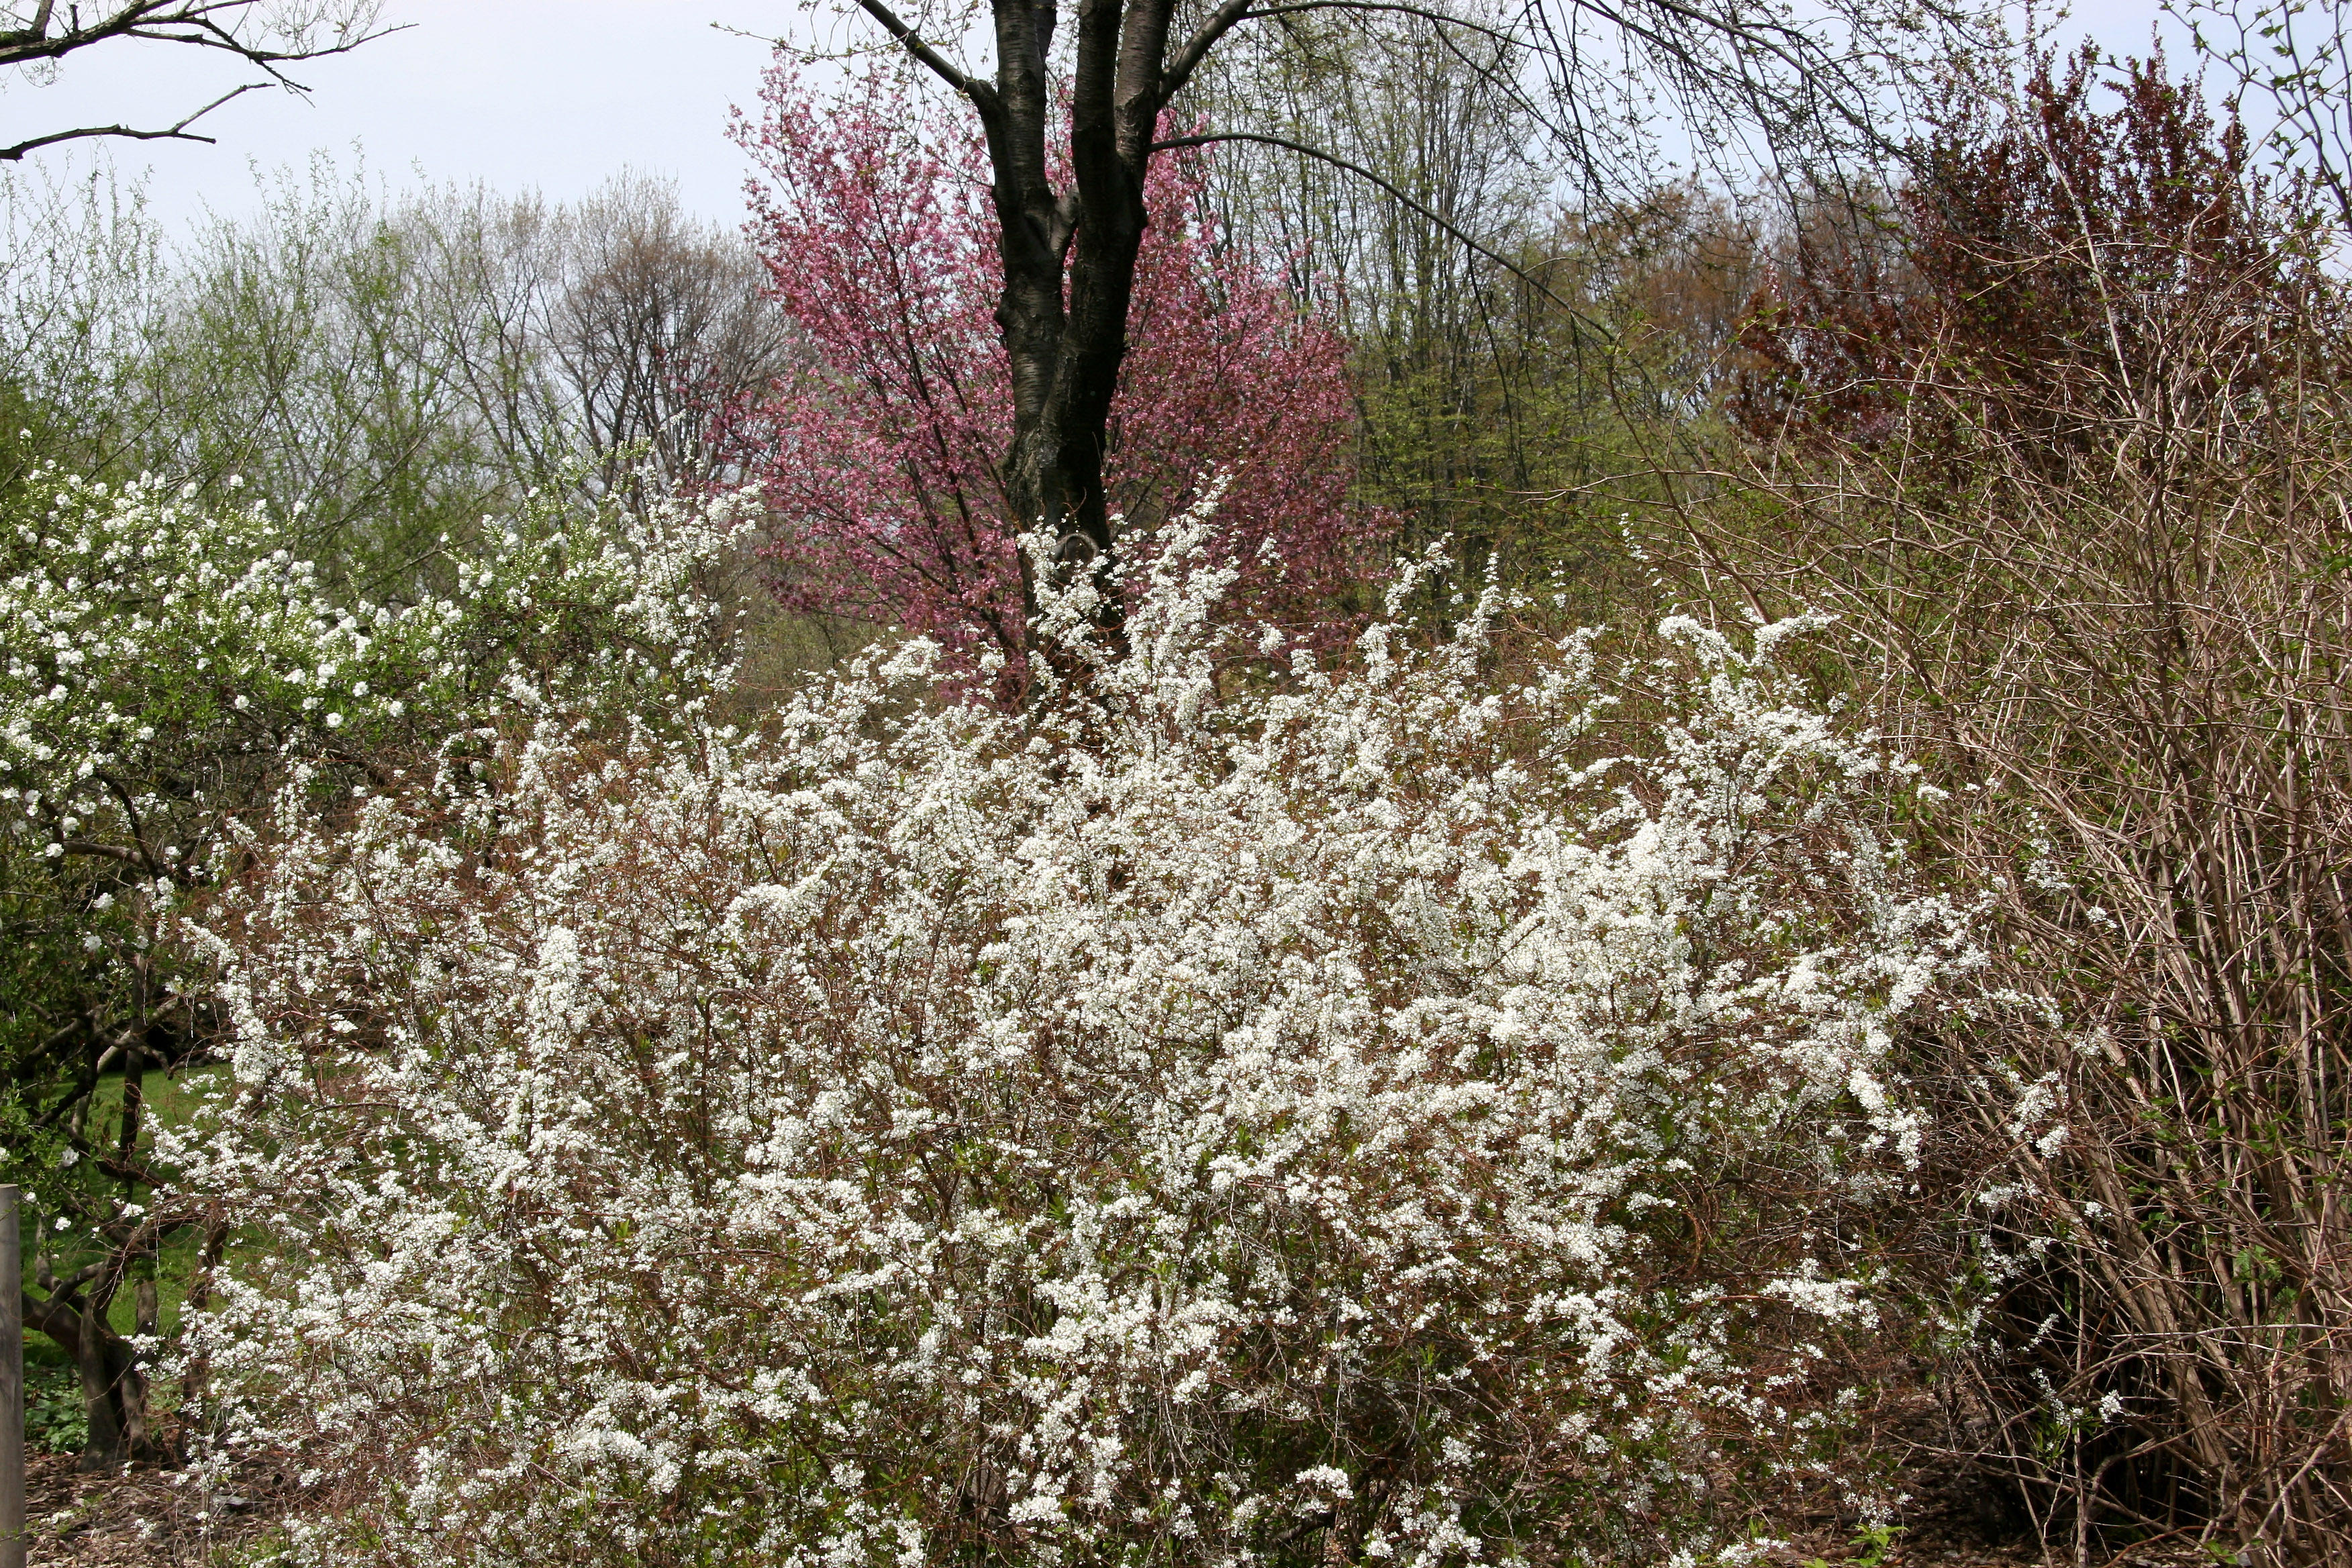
(198,23)
(1223,20)
(1521,273)
(103,851)
(285,35)
(912,42)
(179,132)
(1235,12)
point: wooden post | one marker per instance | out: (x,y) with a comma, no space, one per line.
(12,1386)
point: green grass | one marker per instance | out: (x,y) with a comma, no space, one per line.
(170,1100)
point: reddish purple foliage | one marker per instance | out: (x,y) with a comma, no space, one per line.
(882,458)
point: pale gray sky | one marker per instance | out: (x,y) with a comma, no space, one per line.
(551,94)
(555,94)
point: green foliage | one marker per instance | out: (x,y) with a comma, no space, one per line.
(1870,1549)
(1529,372)
(1530,430)
(55,1418)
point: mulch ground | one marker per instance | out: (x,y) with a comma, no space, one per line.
(147,1517)
(151,1518)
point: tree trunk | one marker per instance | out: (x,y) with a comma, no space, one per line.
(74,1315)
(104,1450)
(1068,256)
(114,1393)
(1068,443)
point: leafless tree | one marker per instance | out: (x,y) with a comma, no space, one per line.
(36,37)
(659,322)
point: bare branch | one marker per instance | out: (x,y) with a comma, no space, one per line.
(912,42)
(104,851)
(1235,12)
(1225,18)
(202,24)
(304,33)
(1304,151)
(179,132)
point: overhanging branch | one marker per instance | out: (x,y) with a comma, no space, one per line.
(912,42)
(1233,13)
(179,132)
(200,24)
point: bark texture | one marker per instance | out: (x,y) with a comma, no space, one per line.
(1069,253)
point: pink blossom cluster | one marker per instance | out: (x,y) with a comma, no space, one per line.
(881,458)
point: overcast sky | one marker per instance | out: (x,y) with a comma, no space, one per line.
(553,94)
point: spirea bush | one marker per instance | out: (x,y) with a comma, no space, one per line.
(1384,1111)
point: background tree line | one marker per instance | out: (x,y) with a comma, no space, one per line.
(384,367)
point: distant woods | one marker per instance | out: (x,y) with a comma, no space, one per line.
(384,366)
(382,369)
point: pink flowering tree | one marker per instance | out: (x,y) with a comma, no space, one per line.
(885,457)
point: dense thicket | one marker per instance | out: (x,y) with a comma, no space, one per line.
(1387,1112)
(2065,449)
(175,683)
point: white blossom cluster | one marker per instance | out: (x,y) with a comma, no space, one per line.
(152,647)
(1366,1112)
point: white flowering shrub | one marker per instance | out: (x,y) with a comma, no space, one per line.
(1396,1113)
(153,647)
(165,669)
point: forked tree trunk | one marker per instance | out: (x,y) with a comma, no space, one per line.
(114,1390)
(1069,253)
